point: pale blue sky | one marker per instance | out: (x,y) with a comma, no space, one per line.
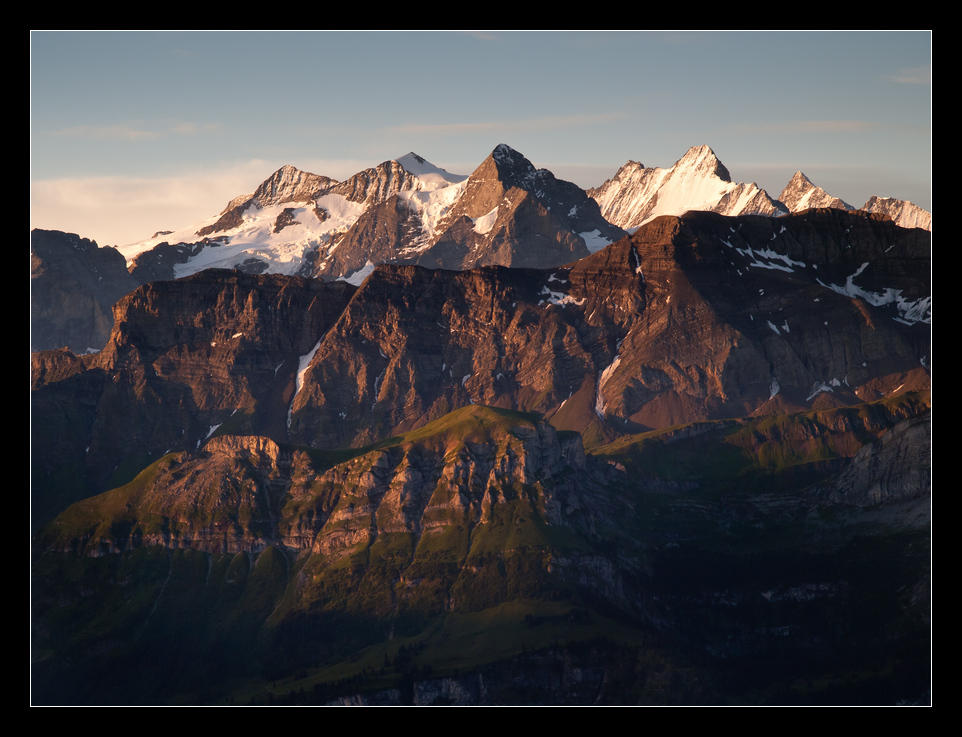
(134,132)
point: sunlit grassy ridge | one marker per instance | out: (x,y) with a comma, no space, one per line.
(775,444)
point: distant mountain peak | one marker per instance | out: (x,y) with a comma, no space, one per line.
(697,181)
(431,175)
(904,213)
(508,159)
(801,194)
(290,184)
(703,159)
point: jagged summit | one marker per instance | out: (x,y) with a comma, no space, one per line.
(510,167)
(427,172)
(903,212)
(290,184)
(408,210)
(504,154)
(801,194)
(703,160)
(697,181)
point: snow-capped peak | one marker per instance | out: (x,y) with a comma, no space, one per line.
(801,194)
(697,181)
(703,160)
(434,177)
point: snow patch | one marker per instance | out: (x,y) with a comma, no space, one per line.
(358,276)
(602,380)
(302,364)
(594,240)
(910,311)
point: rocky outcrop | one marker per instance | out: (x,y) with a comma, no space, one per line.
(246,493)
(693,318)
(287,184)
(184,356)
(895,467)
(73,286)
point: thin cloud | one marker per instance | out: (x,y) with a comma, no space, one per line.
(122,132)
(913,75)
(533,124)
(482,35)
(131,133)
(809,126)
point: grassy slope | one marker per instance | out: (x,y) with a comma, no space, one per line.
(233,622)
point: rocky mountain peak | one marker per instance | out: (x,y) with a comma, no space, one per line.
(430,176)
(290,184)
(904,213)
(799,180)
(511,167)
(697,181)
(801,194)
(703,160)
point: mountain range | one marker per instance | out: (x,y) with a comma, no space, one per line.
(422,438)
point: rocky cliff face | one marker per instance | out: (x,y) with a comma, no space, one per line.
(245,493)
(73,285)
(897,466)
(311,470)
(184,357)
(691,318)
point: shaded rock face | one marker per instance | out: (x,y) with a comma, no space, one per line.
(160,262)
(184,356)
(314,462)
(694,318)
(73,285)
(894,467)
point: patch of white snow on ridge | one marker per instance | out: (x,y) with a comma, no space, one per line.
(559,298)
(302,364)
(358,276)
(432,206)
(483,224)
(766,253)
(911,311)
(817,388)
(284,251)
(434,177)
(594,241)
(602,380)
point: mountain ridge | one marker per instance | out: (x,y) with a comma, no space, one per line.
(688,466)
(305,240)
